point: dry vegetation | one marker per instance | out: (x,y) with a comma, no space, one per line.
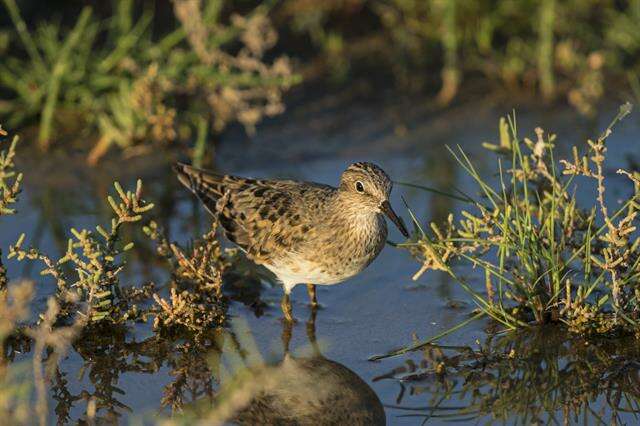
(195,303)
(118,80)
(546,258)
(9,188)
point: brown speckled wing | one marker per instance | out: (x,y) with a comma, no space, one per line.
(265,218)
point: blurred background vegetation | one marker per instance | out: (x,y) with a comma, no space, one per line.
(135,74)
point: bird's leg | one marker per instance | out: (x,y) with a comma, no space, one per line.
(286,307)
(311,289)
(287,327)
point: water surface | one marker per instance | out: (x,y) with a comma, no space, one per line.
(130,373)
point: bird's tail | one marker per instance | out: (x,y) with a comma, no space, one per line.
(208,186)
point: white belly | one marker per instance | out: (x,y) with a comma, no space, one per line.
(304,272)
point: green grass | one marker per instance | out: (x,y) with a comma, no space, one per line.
(115,81)
(569,49)
(118,81)
(544,257)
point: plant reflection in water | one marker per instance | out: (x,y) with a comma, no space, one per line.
(525,378)
(216,378)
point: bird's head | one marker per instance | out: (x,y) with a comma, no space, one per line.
(369,187)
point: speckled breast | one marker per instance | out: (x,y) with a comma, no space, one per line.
(353,249)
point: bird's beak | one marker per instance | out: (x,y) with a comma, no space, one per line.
(387,210)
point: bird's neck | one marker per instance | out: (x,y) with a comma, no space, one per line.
(363,223)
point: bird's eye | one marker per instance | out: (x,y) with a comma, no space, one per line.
(359,187)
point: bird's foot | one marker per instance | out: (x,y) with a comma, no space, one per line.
(315,306)
(313,297)
(286,321)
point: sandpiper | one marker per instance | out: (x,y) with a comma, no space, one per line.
(303,232)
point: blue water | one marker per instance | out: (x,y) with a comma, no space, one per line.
(377,311)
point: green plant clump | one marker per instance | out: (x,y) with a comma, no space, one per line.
(120,81)
(546,259)
(87,276)
(95,258)
(569,48)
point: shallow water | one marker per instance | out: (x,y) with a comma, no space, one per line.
(379,310)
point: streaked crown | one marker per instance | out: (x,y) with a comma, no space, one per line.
(366,178)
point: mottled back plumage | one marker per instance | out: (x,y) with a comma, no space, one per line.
(260,216)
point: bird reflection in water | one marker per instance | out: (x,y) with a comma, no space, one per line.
(305,390)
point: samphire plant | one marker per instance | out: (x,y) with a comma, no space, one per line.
(9,188)
(15,302)
(94,257)
(87,277)
(546,257)
(92,306)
